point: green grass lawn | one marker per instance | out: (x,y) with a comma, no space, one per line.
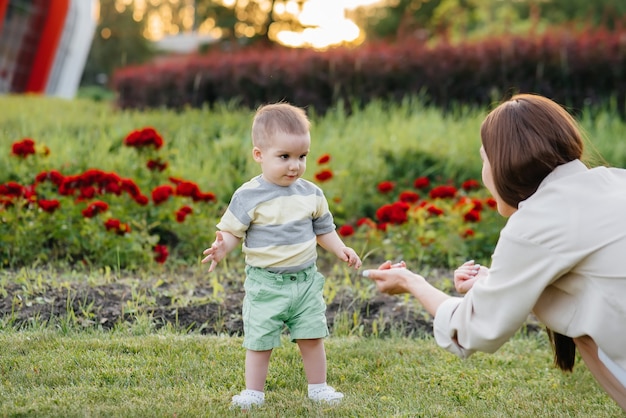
(47,372)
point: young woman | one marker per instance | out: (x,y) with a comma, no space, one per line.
(559,256)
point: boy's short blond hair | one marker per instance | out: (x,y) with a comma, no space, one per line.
(278,118)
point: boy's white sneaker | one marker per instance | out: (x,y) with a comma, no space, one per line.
(248,399)
(326,394)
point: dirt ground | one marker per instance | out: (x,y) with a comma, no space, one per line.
(111,304)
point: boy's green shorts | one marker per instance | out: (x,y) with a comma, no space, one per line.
(274,300)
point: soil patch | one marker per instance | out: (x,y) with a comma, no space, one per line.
(196,308)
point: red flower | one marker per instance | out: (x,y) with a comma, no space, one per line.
(161,193)
(141,200)
(204,197)
(144,138)
(49,205)
(116,226)
(434,210)
(11,189)
(54,176)
(161,253)
(367,222)
(472,216)
(130,187)
(346,230)
(323,159)
(468,233)
(187,189)
(385,186)
(395,213)
(470,185)
(23,148)
(409,197)
(323,175)
(113,188)
(491,202)
(443,192)
(87,192)
(95,208)
(112,224)
(156,165)
(29,193)
(182,213)
(421,183)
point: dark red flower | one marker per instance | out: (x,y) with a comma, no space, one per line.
(472,216)
(345,230)
(470,185)
(29,193)
(87,192)
(367,222)
(204,197)
(421,183)
(116,226)
(130,187)
(491,202)
(112,224)
(144,138)
(385,186)
(141,199)
(161,193)
(323,175)
(23,148)
(161,253)
(323,159)
(95,208)
(49,205)
(156,165)
(409,196)
(11,189)
(395,213)
(187,189)
(443,192)
(467,233)
(54,176)
(434,210)
(182,213)
(113,188)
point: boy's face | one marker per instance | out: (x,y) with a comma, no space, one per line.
(283,158)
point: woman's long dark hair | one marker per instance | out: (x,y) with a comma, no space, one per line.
(525,138)
(564,350)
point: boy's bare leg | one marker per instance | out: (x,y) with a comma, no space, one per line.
(314,360)
(257,364)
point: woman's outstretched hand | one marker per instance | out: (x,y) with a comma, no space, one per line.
(467,275)
(392,278)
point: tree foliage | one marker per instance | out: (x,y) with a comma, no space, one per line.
(428,19)
(118,42)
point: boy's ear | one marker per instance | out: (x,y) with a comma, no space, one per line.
(257,154)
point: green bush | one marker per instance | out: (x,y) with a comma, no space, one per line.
(371,160)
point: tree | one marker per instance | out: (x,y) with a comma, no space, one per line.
(248,21)
(119,41)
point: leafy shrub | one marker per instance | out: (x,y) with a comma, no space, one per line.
(577,68)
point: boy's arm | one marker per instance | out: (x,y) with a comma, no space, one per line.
(224,243)
(331,242)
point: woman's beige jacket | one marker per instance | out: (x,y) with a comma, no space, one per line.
(561,256)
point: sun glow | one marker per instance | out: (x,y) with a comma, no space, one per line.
(325,21)
(326,24)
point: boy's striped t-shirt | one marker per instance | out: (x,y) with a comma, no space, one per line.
(279,225)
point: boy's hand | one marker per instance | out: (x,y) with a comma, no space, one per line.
(217,251)
(350,256)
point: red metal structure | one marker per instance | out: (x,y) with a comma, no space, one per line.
(44,44)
